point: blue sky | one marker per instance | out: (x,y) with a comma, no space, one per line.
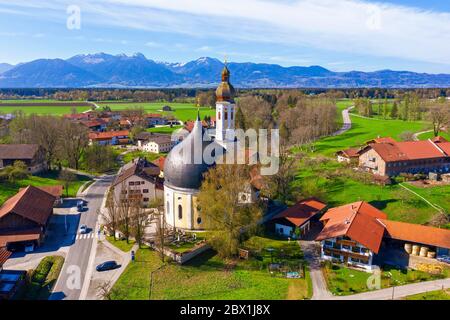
(341,35)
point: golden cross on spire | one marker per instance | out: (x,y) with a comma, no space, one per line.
(226,59)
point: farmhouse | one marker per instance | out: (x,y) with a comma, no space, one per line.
(138,180)
(349,155)
(394,158)
(298,216)
(360,235)
(155,143)
(56,191)
(31,154)
(24,217)
(155,119)
(110,137)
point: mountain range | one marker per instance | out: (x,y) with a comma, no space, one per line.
(136,71)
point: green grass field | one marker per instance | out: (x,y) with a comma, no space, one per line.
(364,130)
(432,295)
(166,130)
(430,135)
(121,244)
(44,110)
(9,189)
(206,277)
(338,185)
(346,281)
(181,111)
(142,154)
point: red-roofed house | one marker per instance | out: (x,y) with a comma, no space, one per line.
(392,159)
(360,235)
(348,155)
(110,137)
(24,217)
(298,216)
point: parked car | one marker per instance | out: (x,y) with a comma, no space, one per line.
(445,259)
(108,265)
(80,205)
(84,229)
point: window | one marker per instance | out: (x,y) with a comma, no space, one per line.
(168,207)
(328,243)
(145,191)
(146,199)
(199,220)
(180,212)
(226,115)
(218,115)
(131,183)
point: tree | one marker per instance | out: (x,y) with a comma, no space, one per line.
(73,142)
(394,110)
(223,211)
(439,115)
(159,219)
(407,136)
(99,158)
(18,171)
(240,120)
(279,186)
(67,177)
(135,131)
(139,221)
(111,215)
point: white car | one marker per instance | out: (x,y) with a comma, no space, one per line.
(83,229)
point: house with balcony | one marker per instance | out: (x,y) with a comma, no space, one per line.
(359,235)
(138,180)
(351,234)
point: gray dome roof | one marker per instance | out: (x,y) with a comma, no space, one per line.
(183,169)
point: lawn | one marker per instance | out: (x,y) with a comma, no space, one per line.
(432,295)
(142,154)
(43,110)
(346,281)
(338,185)
(208,277)
(121,244)
(166,130)
(364,130)
(50,178)
(181,111)
(430,135)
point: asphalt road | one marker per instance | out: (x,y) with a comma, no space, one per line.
(72,278)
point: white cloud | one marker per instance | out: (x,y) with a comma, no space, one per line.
(349,26)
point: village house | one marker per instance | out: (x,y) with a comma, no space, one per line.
(155,143)
(110,137)
(362,236)
(299,216)
(160,163)
(56,191)
(350,156)
(155,119)
(138,180)
(24,217)
(394,158)
(31,154)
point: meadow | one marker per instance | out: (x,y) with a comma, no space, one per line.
(42,110)
(181,111)
(207,277)
(50,178)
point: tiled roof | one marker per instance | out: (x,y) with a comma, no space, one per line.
(409,150)
(4,255)
(18,151)
(160,163)
(141,168)
(302,211)
(350,153)
(357,221)
(417,233)
(382,140)
(31,203)
(55,191)
(19,236)
(108,135)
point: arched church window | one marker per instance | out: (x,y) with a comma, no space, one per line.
(231,114)
(180,212)
(168,207)
(218,115)
(226,115)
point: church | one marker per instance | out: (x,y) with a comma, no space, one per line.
(183,175)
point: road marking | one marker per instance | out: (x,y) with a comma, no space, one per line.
(85,236)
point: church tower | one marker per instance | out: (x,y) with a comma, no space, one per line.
(225,108)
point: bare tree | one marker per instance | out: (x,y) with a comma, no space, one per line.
(140,219)
(111,215)
(439,115)
(159,220)
(67,178)
(73,143)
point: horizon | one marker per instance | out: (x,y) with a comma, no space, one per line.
(342,36)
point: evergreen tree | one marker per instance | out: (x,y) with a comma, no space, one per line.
(394,111)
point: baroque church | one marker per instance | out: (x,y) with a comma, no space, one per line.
(184,174)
